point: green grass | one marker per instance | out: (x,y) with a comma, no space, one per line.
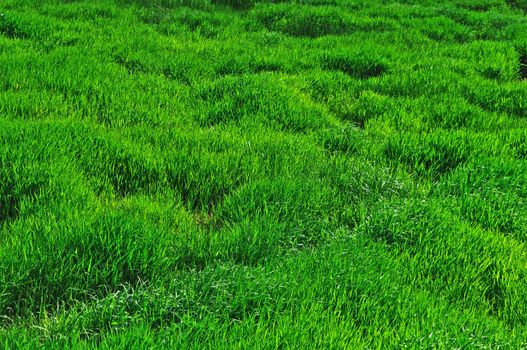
(263,174)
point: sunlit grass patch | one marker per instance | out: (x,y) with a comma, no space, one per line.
(263,174)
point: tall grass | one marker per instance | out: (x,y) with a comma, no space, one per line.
(274,174)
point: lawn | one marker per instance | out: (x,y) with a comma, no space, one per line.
(272,174)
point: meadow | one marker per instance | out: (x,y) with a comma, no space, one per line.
(263,174)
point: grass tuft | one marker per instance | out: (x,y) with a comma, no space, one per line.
(357,66)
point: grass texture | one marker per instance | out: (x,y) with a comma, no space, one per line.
(263,174)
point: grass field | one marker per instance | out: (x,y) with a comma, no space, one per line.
(270,174)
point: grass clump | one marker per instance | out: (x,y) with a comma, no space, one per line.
(236,4)
(345,139)
(11,28)
(518,4)
(259,100)
(522,60)
(360,66)
(503,98)
(302,22)
(428,155)
(93,258)
(488,193)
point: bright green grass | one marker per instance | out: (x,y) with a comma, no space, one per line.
(263,174)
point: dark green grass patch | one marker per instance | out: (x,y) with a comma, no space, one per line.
(204,23)
(200,22)
(31,26)
(164,4)
(522,60)
(146,58)
(119,165)
(205,166)
(236,4)
(515,142)
(302,22)
(481,6)
(34,177)
(316,20)
(82,11)
(17,185)
(518,4)
(327,86)
(15,26)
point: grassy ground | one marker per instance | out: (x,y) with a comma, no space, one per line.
(279,174)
